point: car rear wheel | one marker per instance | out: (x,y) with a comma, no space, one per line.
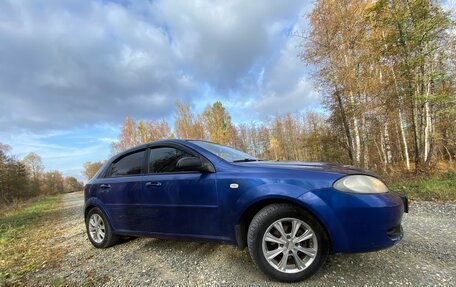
(287,243)
(99,230)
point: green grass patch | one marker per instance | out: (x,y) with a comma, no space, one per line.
(21,237)
(434,188)
(15,221)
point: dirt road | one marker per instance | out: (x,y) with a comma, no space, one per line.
(425,257)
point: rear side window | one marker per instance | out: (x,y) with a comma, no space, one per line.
(164,159)
(128,165)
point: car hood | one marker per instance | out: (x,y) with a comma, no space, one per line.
(311,166)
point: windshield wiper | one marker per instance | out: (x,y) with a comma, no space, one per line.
(246,160)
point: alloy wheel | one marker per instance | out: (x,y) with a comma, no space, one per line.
(289,245)
(97,228)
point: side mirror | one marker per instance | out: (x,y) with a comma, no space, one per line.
(190,164)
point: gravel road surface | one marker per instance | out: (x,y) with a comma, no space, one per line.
(425,257)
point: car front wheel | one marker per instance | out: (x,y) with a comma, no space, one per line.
(287,243)
(99,230)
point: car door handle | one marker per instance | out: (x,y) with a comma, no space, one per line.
(153,184)
(105,186)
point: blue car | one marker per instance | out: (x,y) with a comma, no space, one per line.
(290,215)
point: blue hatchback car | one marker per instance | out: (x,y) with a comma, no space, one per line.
(290,215)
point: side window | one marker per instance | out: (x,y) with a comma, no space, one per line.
(164,159)
(128,165)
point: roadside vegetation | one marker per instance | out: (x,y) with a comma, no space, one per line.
(22,179)
(24,230)
(432,188)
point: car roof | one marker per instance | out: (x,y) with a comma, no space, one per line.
(164,141)
(153,143)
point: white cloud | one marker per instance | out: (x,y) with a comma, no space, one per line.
(72,63)
(82,63)
(283,85)
(220,40)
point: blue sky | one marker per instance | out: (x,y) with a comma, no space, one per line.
(72,70)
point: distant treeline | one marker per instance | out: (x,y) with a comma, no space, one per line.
(26,178)
(285,137)
(307,136)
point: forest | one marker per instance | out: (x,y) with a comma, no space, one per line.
(388,69)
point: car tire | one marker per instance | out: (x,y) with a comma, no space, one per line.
(99,229)
(279,253)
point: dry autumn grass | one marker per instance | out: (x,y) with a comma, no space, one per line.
(25,230)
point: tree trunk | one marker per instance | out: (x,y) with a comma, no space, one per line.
(346,127)
(365,142)
(357,140)
(428,130)
(415,134)
(404,139)
(405,152)
(388,155)
(382,149)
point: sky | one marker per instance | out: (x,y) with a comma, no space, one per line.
(71,71)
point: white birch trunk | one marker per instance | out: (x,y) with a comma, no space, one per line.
(404,139)
(356,137)
(428,126)
(388,154)
(382,149)
(401,125)
(365,143)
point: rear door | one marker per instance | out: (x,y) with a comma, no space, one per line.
(179,202)
(120,190)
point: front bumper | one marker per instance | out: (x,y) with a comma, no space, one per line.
(404,201)
(363,222)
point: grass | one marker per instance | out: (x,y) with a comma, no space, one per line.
(22,235)
(432,188)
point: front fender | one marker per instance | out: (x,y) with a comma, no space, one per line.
(328,219)
(268,191)
(302,197)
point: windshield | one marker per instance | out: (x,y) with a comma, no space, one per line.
(227,153)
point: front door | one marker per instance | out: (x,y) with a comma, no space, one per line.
(178,202)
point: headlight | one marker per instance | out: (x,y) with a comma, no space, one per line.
(360,184)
